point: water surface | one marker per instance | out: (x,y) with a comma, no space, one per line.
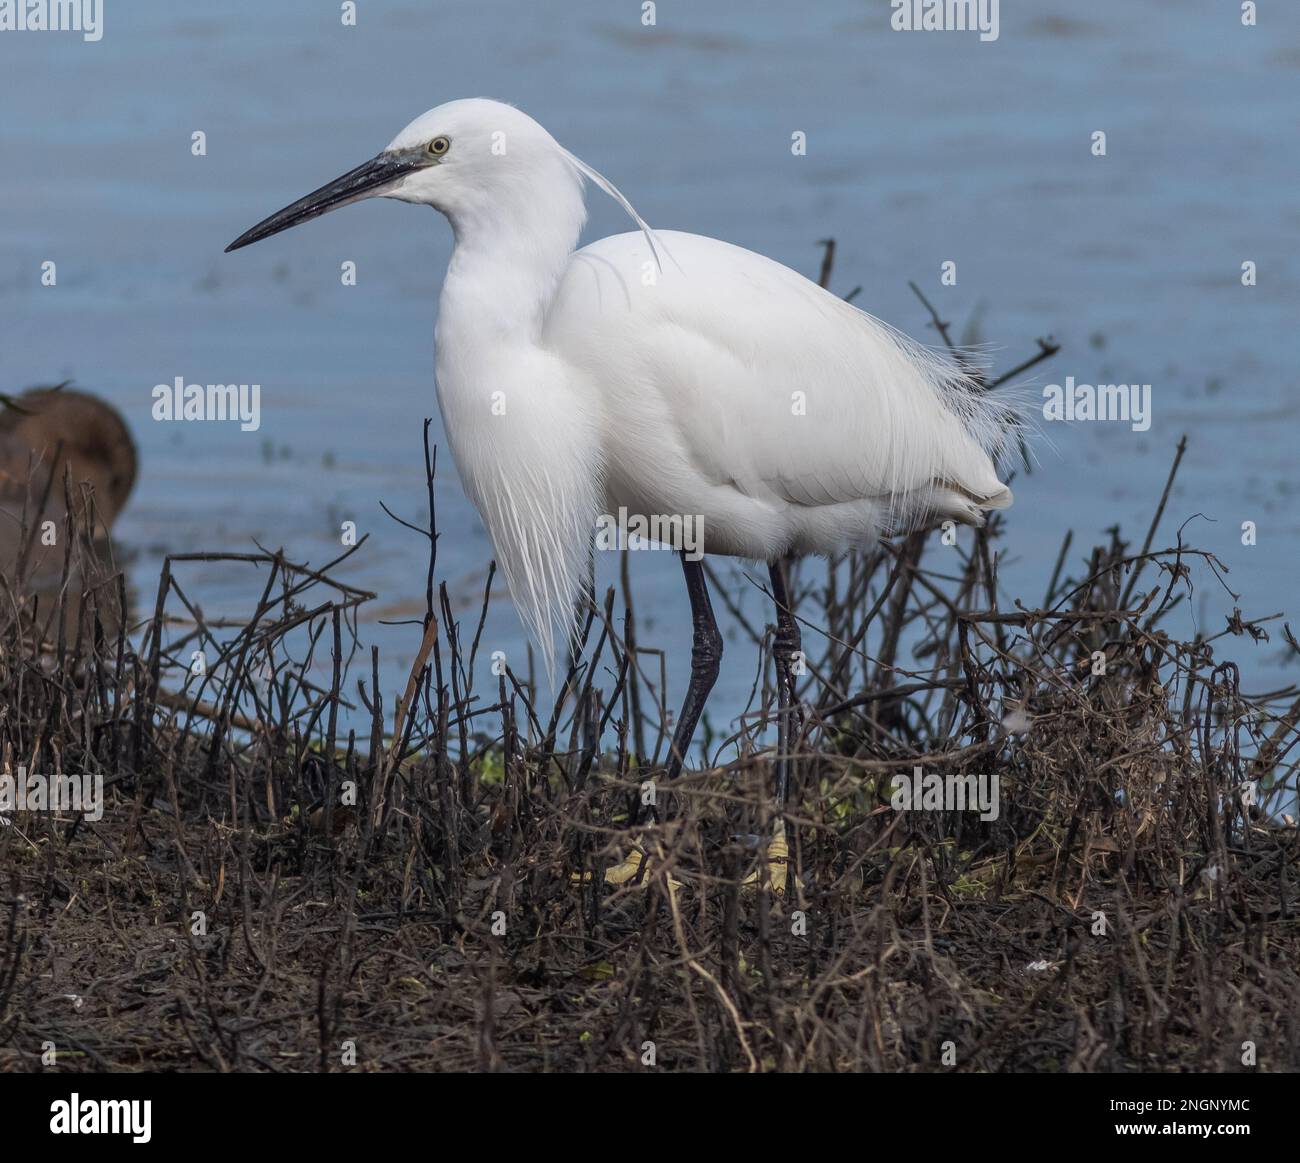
(922,148)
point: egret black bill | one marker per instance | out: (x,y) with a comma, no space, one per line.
(363,182)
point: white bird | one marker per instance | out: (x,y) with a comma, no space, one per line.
(664,374)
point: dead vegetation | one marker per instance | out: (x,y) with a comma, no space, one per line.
(272,889)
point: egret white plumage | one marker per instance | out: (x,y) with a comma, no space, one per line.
(661,374)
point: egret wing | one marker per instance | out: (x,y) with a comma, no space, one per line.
(770,384)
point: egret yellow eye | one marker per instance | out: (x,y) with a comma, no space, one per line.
(439,146)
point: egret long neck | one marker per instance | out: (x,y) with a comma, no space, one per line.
(527,450)
(512,248)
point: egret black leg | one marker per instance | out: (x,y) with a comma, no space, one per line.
(785,646)
(706,657)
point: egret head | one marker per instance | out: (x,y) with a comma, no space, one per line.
(465,158)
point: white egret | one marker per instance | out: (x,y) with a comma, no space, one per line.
(661,375)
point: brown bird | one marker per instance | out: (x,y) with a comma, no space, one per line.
(66,458)
(47,430)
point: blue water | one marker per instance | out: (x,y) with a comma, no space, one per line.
(922,148)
